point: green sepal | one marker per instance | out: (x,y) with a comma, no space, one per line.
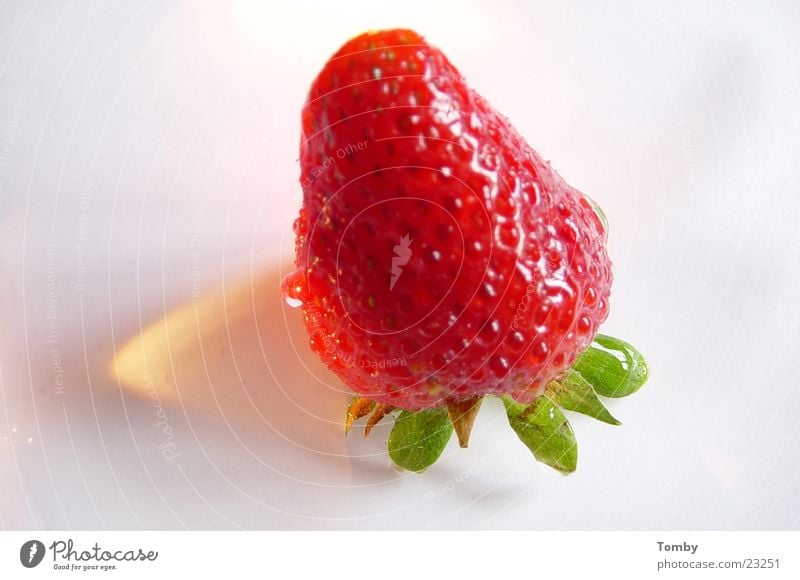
(612,367)
(574,393)
(544,429)
(419,438)
(601,215)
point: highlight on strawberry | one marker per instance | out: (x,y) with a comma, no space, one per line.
(439,260)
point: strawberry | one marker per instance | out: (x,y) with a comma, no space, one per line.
(441,259)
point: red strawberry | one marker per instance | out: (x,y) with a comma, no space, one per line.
(439,258)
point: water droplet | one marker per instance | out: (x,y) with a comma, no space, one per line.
(517,340)
(488,291)
(499,366)
(539,352)
(490,330)
(591,296)
(294,289)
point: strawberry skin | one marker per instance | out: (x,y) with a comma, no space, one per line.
(438,257)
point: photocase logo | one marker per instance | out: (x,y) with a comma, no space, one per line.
(31,553)
(402,256)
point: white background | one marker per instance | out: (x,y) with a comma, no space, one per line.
(148,181)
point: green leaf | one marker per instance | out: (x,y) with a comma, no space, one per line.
(544,429)
(573,392)
(601,215)
(418,439)
(612,366)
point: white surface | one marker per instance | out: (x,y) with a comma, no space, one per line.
(146,152)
